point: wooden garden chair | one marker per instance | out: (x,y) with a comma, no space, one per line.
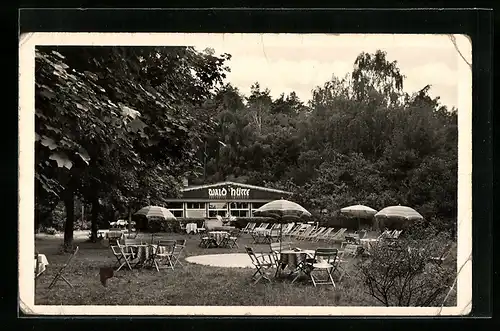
(59,274)
(123,255)
(275,250)
(262,264)
(232,239)
(180,245)
(325,261)
(206,241)
(164,253)
(345,258)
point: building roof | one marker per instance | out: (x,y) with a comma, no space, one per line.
(198,187)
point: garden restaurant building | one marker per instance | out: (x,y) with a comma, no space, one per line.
(223,199)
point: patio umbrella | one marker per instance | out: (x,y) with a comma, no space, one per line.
(358,211)
(402,213)
(282,211)
(156,212)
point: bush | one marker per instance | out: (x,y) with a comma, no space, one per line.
(403,273)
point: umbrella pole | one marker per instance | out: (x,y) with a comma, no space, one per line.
(281,234)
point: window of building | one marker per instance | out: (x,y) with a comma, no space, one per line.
(174,205)
(178,213)
(239,209)
(195,205)
(217,208)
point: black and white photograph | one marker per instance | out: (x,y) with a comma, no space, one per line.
(233,174)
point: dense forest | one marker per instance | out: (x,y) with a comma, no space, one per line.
(120,127)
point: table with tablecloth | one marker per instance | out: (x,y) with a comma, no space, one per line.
(291,260)
(114,235)
(42,262)
(144,253)
(191,228)
(218,236)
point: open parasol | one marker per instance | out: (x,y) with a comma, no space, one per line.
(282,211)
(358,211)
(156,212)
(399,213)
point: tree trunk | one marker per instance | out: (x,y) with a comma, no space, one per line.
(69,204)
(94,219)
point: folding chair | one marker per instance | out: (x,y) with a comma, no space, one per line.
(346,256)
(164,252)
(261,264)
(232,240)
(123,256)
(275,250)
(206,241)
(324,261)
(179,246)
(59,274)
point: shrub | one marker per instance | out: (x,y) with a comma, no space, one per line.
(403,272)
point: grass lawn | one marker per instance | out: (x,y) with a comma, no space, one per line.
(189,285)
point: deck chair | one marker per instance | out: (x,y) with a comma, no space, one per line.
(123,255)
(291,228)
(164,252)
(324,235)
(59,274)
(384,234)
(306,233)
(249,227)
(287,228)
(396,234)
(303,230)
(337,236)
(438,260)
(316,233)
(262,263)
(297,230)
(325,261)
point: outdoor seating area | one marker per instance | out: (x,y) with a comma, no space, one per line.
(289,252)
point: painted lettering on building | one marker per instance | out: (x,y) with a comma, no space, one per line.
(230,192)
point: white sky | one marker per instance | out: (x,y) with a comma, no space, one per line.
(292,62)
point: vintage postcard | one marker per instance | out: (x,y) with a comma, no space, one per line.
(245,174)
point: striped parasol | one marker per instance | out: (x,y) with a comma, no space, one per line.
(358,211)
(401,212)
(282,211)
(156,212)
